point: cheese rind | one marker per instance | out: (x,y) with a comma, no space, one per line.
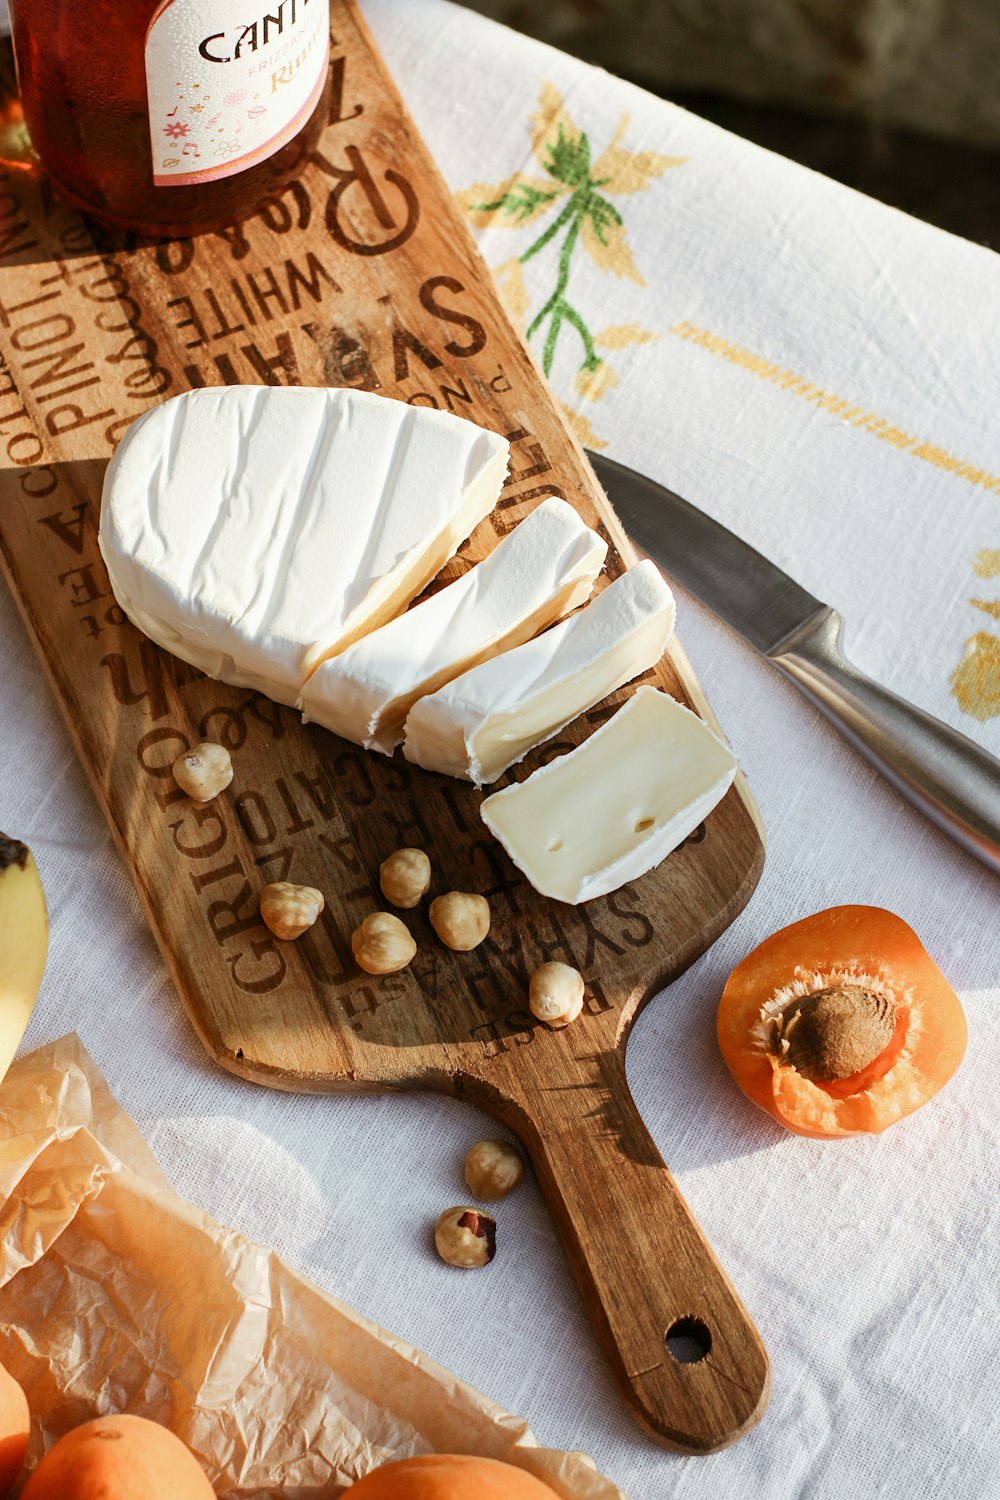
(617,805)
(254,531)
(488,719)
(545,567)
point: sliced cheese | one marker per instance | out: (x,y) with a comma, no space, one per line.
(545,567)
(489,718)
(254,531)
(615,806)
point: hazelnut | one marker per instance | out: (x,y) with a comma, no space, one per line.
(290,910)
(405,876)
(204,772)
(382,944)
(460,919)
(466,1237)
(555,994)
(492,1170)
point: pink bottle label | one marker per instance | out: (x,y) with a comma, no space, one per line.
(227,87)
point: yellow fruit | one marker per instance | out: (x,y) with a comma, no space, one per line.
(24,943)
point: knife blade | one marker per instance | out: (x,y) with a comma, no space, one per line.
(943,773)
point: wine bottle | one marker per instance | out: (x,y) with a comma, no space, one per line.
(172,116)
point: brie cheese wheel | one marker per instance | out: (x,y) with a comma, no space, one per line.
(256,530)
(615,806)
(543,569)
(490,717)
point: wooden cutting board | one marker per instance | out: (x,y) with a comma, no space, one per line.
(361,274)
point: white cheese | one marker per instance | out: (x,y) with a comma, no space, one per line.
(544,568)
(489,718)
(254,531)
(615,806)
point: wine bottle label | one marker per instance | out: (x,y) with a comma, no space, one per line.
(226,91)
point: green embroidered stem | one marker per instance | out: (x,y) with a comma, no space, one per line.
(553,229)
(557,309)
(561,308)
(571,315)
(550,342)
(540,317)
(521,202)
(553,304)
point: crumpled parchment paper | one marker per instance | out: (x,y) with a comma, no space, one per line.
(116,1295)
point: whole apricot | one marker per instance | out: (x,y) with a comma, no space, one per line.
(14,1425)
(448,1476)
(118,1458)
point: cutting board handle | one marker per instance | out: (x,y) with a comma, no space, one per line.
(645,1270)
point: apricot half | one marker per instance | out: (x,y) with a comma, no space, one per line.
(448,1476)
(118,1458)
(841,1024)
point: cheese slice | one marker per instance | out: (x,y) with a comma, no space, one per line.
(489,718)
(545,567)
(255,531)
(615,806)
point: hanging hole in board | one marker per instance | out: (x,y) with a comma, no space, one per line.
(688,1340)
(643,824)
(555,846)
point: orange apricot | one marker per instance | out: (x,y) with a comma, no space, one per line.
(448,1476)
(118,1458)
(841,1024)
(14,1426)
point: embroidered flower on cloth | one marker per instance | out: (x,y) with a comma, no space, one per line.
(575,197)
(975,682)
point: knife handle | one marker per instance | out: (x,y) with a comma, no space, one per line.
(947,776)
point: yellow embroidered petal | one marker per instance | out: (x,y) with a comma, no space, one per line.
(988,606)
(987,563)
(975,682)
(592,384)
(630,171)
(619,335)
(513,289)
(622,127)
(612,254)
(551,116)
(585,434)
(482,201)
(511,204)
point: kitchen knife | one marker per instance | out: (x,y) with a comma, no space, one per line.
(946,775)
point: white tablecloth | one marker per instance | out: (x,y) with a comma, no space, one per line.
(737,302)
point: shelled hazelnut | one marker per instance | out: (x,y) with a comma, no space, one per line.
(405,877)
(204,772)
(382,944)
(492,1170)
(555,994)
(460,919)
(290,910)
(466,1237)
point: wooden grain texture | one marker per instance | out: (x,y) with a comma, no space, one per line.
(360,274)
